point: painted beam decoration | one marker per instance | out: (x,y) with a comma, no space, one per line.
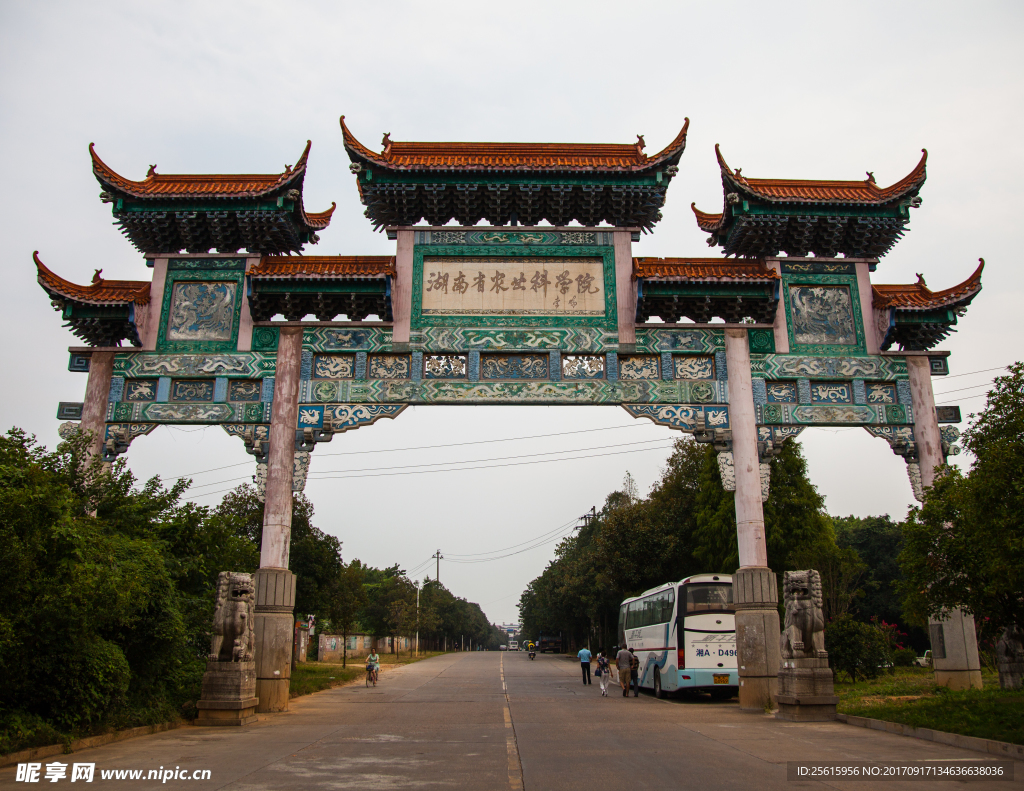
(511,313)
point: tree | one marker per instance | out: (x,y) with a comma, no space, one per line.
(964,547)
(349,598)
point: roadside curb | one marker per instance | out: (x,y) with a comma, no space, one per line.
(953,739)
(92,741)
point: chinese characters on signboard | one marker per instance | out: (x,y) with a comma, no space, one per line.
(513,287)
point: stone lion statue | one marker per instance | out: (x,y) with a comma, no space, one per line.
(804,632)
(233,618)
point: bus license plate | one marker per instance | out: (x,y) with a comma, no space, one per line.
(721,678)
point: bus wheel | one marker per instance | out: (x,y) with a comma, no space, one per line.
(658,691)
(722,693)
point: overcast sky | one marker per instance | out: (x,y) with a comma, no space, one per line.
(790,90)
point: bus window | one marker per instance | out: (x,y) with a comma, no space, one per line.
(622,625)
(707,598)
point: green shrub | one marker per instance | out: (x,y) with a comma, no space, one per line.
(904,657)
(855,648)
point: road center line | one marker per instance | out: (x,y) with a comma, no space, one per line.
(515,765)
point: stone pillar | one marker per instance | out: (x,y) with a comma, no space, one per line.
(625,287)
(955,651)
(97,396)
(755,590)
(275,585)
(954,638)
(401,288)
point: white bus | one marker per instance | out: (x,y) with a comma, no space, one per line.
(513,645)
(684,634)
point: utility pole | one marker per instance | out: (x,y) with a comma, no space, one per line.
(437,556)
(417,619)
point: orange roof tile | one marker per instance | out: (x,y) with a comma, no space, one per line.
(797,191)
(324,266)
(703,269)
(705,221)
(513,156)
(157,185)
(320,220)
(100,292)
(917,296)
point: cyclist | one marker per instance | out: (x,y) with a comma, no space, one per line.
(373,665)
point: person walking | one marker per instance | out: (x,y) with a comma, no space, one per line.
(624,661)
(603,669)
(584,656)
(634,674)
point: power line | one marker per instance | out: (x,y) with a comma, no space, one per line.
(320,475)
(430,447)
(514,546)
(971,373)
(961,389)
(488,467)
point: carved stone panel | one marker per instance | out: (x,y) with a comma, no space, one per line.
(242,390)
(514,366)
(192,390)
(831,393)
(694,366)
(389,366)
(639,366)
(444,366)
(202,311)
(822,315)
(881,393)
(140,390)
(334,366)
(582,366)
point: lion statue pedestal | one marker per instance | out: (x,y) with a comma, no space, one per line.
(806,691)
(229,683)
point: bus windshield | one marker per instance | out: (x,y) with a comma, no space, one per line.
(707,597)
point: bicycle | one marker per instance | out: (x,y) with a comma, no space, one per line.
(371,675)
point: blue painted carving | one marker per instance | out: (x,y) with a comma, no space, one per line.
(582,366)
(334,366)
(721,368)
(611,364)
(344,338)
(140,390)
(803,388)
(555,366)
(311,416)
(78,363)
(474,366)
(417,366)
(360,365)
(903,395)
(445,366)
(163,388)
(667,370)
(306,365)
(880,393)
(242,390)
(695,366)
(514,366)
(822,315)
(202,311)
(116,388)
(939,366)
(192,390)
(681,416)
(780,392)
(220,389)
(831,393)
(760,391)
(389,366)
(267,389)
(640,366)
(859,392)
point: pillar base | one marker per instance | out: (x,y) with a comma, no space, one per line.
(958,679)
(221,713)
(756,595)
(274,630)
(228,694)
(806,690)
(809,708)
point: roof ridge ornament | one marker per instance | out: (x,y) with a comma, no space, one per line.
(151,172)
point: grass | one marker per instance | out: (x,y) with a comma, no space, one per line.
(310,677)
(909,696)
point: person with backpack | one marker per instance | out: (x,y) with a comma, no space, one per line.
(602,672)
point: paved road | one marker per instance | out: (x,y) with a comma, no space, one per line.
(499,721)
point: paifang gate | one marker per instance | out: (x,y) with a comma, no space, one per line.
(482,304)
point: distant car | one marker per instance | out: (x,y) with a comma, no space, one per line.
(503,648)
(924,661)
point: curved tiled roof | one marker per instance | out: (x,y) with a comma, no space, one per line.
(323,266)
(100,292)
(159,185)
(526,157)
(319,220)
(703,269)
(845,192)
(917,296)
(705,221)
